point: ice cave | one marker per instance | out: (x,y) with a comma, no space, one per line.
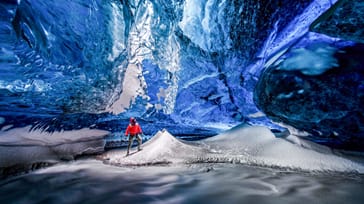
(273,83)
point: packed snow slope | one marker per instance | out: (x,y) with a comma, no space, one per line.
(253,145)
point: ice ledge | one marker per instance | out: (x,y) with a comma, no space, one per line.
(23,150)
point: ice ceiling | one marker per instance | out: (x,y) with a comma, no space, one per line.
(69,63)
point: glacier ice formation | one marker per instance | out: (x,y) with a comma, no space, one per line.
(73,64)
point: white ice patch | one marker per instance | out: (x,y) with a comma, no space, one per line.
(117,29)
(311,61)
(22,146)
(201,21)
(256,115)
(132,88)
(245,145)
(35,85)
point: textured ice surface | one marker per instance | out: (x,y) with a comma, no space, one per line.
(21,146)
(318,90)
(80,56)
(90,181)
(253,145)
(189,62)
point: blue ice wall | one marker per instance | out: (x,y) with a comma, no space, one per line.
(182,61)
(55,57)
(67,57)
(317,86)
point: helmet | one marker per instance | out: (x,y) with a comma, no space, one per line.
(132,120)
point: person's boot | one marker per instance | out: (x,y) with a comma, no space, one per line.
(139,145)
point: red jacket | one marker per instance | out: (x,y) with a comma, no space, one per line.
(133,130)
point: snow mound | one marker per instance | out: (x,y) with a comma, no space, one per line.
(258,145)
(162,148)
(252,145)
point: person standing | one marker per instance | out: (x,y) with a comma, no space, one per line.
(133,130)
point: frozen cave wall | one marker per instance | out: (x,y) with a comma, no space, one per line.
(184,59)
(68,64)
(318,87)
(344,20)
(215,82)
(52,59)
(328,106)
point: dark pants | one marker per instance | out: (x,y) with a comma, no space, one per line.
(131,139)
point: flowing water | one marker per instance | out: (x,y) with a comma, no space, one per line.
(92,181)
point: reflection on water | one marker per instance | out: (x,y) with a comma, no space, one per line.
(90,181)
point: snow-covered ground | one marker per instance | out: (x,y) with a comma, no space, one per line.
(252,145)
(162,148)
